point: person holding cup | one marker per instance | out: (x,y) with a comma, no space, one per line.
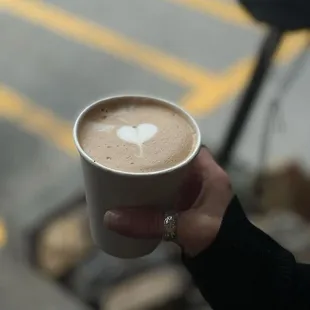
(147,179)
(233,263)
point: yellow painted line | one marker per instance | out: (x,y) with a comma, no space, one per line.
(208,90)
(207,97)
(229,12)
(3,233)
(42,122)
(92,34)
(292,45)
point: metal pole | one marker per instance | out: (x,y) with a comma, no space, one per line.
(264,62)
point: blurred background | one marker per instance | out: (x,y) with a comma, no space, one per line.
(58,56)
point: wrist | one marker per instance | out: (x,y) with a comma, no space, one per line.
(196,237)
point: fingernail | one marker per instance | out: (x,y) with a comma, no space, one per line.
(111,218)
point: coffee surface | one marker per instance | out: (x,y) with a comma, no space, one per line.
(136,136)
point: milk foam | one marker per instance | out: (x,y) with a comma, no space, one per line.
(97,126)
(137,137)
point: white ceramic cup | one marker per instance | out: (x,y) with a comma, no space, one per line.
(107,188)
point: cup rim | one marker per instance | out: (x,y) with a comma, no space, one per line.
(127,173)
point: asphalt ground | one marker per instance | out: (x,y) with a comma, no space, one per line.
(58,56)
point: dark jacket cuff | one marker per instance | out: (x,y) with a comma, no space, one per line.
(243,267)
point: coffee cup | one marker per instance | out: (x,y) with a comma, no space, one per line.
(134,151)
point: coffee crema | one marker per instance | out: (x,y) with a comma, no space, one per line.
(136,135)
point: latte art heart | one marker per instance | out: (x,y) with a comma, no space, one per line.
(137,134)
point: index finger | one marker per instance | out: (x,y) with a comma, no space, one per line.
(204,164)
(199,173)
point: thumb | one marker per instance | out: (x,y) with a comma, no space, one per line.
(135,223)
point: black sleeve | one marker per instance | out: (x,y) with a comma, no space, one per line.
(245,269)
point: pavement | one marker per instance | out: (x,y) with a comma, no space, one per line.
(20,288)
(58,56)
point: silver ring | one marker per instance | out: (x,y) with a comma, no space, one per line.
(170,226)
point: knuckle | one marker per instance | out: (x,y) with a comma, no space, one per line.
(222,180)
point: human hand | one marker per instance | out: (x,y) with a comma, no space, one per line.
(205,197)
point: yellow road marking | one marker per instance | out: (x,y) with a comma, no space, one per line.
(230,12)
(205,98)
(207,90)
(3,234)
(35,119)
(292,45)
(91,34)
